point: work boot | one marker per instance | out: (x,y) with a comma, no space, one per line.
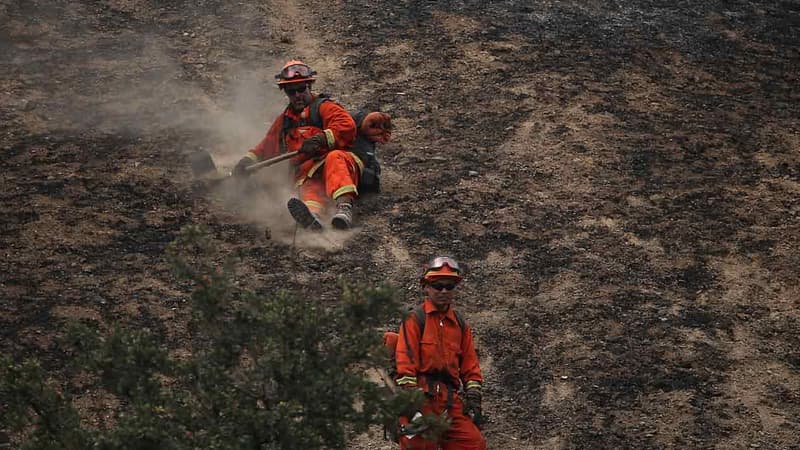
(303,216)
(343,219)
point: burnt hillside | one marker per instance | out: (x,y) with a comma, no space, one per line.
(620,177)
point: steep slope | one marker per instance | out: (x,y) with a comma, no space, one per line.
(621,178)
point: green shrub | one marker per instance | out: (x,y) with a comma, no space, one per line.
(283,372)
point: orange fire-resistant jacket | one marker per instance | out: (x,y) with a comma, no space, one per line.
(338,126)
(443,348)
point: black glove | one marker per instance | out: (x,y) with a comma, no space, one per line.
(240,170)
(472,405)
(312,145)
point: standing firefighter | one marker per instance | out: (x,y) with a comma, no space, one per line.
(323,133)
(435,353)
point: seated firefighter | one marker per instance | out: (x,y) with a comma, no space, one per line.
(329,165)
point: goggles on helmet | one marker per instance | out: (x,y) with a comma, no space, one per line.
(295,71)
(440,261)
(436,268)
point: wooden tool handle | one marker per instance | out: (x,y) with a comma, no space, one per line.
(271,161)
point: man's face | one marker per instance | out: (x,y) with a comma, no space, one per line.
(299,95)
(441,291)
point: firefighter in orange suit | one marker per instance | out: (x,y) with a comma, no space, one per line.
(324,169)
(441,360)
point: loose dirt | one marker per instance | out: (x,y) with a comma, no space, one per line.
(620,177)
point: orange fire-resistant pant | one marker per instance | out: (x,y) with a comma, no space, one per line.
(338,176)
(316,182)
(463,434)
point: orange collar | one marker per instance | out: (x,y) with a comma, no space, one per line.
(430,308)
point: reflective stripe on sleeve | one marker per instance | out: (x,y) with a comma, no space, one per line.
(407,381)
(330,138)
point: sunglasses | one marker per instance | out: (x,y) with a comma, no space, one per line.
(297,90)
(443,286)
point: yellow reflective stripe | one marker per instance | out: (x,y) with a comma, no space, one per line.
(314,168)
(344,190)
(330,137)
(313,204)
(406,380)
(473,384)
(319,163)
(252,156)
(359,162)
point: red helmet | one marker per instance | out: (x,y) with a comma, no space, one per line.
(441,266)
(295,71)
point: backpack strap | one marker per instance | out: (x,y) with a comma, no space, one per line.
(419,313)
(313,110)
(461,322)
(313,115)
(313,119)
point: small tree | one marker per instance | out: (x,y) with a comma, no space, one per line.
(276,373)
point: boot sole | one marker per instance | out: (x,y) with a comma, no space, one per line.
(302,215)
(340,224)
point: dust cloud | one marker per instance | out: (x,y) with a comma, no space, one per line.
(261,201)
(162,98)
(229,113)
(225,120)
